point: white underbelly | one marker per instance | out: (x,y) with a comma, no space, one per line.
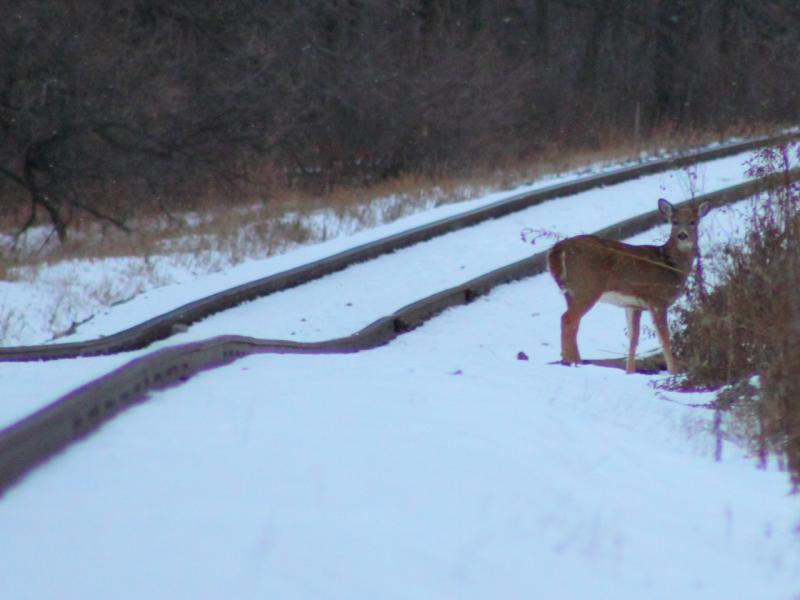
(623,300)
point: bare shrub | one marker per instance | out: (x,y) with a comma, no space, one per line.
(749,324)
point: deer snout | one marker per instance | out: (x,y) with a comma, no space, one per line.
(684,240)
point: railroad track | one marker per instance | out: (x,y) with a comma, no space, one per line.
(39,436)
(167,324)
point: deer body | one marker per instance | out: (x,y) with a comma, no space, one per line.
(589,269)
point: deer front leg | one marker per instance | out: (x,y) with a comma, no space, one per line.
(569,338)
(659,314)
(634,316)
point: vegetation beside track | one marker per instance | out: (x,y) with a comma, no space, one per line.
(743,334)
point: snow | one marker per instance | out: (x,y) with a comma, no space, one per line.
(440,466)
(389,474)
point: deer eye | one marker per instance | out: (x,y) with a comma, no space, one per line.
(691,223)
(674,221)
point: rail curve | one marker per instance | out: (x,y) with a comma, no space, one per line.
(38,437)
(165,325)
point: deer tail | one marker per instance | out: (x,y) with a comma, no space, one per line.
(557,265)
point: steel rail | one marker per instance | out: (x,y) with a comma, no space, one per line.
(165,325)
(36,438)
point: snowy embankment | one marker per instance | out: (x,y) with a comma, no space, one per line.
(343,303)
(439,466)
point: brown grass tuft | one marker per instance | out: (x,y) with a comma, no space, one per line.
(749,325)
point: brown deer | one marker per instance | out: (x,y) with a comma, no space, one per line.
(589,269)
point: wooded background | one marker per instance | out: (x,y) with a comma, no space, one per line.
(106,106)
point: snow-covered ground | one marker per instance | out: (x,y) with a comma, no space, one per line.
(440,466)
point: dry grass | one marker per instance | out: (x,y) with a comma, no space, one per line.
(215,234)
(749,325)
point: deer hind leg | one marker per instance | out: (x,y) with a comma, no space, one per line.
(659,315)
(570,322)
(634,316)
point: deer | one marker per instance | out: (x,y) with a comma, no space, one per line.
(590,269)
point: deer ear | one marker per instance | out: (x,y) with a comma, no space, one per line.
(703,209)
(664,207)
